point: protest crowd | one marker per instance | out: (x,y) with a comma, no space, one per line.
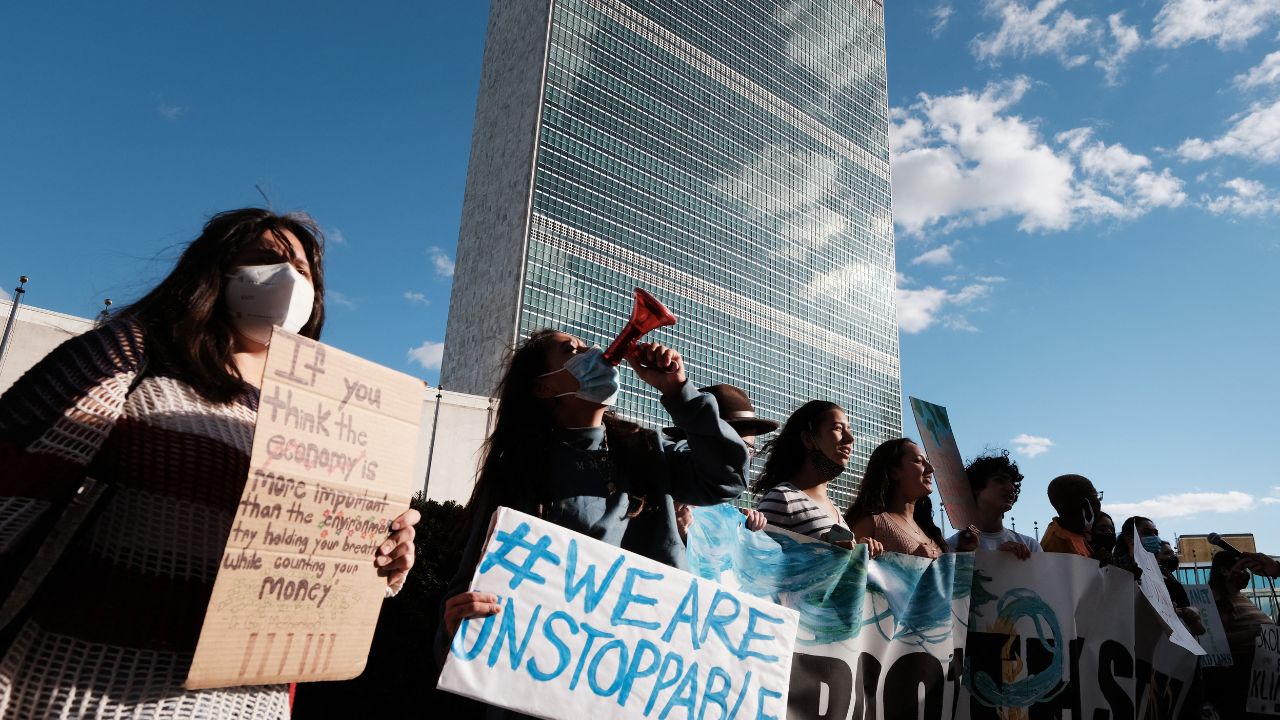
(159,403)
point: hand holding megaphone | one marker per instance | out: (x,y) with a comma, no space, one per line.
(659,366)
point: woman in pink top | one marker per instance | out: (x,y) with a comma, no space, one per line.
(888,516)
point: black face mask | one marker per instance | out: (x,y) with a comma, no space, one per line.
(829,469)
(1168,565)
(1103,541)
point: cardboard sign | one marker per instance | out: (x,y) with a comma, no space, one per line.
(1264,676)
(1152,585)
(948,468)
(878,639)
(1214,640)
(297,594)
(588,630)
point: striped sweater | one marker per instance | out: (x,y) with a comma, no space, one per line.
(114,627)
(787,507)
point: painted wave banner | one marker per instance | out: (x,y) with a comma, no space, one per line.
(970,635)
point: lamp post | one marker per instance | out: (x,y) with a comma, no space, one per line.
(18,292)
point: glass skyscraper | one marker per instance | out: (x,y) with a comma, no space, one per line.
(729,156)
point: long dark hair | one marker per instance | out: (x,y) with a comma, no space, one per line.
(513,469)
(186,325)
(878,484)
(923,515)
(785,453)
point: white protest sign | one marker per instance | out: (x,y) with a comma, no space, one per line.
(1152,586)
(589,630)
(1214,640)
(1264,677)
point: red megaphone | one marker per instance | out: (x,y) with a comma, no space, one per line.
(647,314)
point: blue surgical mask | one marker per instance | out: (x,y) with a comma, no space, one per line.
(597,379)
(1152,543)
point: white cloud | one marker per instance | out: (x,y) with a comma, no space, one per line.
(1248,198)
(442,263)
(1183,504)
(1125,41)
(1119,182)
(940,255)
(1255,136)
(416,297)
(964,159)
(1031,445)
(1273,498)
(941,15)
(339,299)
(919,309)
(169,111)
(1227,22)
(336,237)
(1266,72)
(1038,30)
(5,294)
(429,354)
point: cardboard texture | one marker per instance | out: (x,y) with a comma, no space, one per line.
(588,630)
(297,594)
(948,468)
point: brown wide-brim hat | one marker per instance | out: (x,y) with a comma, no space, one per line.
(735,409)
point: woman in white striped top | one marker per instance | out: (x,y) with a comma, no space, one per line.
(813,449)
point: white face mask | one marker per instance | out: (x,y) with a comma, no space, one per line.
(261,296)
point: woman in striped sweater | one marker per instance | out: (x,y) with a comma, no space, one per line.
(812,449)
(160,404)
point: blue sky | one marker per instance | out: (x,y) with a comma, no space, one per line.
(1086,199)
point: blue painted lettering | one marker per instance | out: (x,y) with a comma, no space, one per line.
(593,593)
(562,650)
(719,696)
(482,639)
(592,634)
(635,671)
(663,682)
(719,622)
(760,698)
(686,613)
(507,630)
(620,669)
(686,694)
(534,552)
(744,651)
(626,597)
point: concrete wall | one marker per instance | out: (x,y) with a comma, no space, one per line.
(484,307)
(36,331)
(447,462)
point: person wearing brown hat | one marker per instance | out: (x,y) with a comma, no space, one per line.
(736,410)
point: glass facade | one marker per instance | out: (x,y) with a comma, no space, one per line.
(731,157)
